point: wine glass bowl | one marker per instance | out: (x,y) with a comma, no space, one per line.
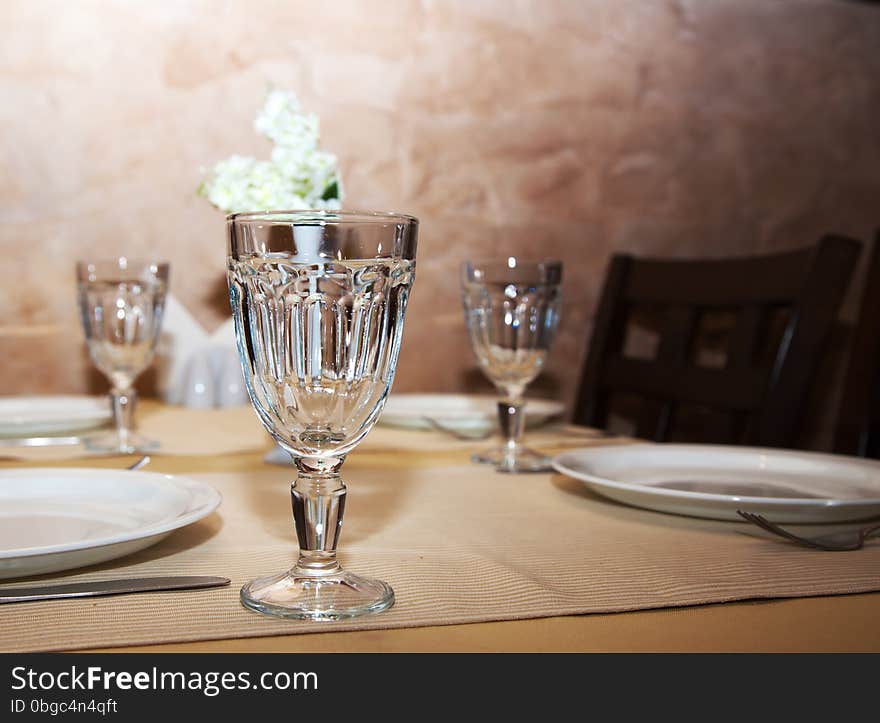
(121,303)
(511,312)
(319,300)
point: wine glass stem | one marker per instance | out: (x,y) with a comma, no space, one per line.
(318,499)
(123,402)
(510,418)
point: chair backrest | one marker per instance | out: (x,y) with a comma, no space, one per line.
(858,421)
(779,309)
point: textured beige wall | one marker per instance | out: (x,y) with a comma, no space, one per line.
(548,128)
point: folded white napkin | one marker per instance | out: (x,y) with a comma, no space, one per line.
(197,368)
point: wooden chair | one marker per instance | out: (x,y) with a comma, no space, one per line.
(779,309)
(858,421)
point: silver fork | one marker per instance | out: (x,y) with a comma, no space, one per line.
(464,436)
(837,542)
(145,460)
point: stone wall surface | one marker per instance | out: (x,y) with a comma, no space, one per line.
(565,128)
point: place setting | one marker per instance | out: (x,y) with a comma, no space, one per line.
(56,519)
(719,482)
(120,304)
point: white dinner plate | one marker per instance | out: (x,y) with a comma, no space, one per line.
(60,518)
(35,415)
(715,481)
(459,412)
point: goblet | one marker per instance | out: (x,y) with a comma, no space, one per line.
(318,299)
(121,302)
(511,313)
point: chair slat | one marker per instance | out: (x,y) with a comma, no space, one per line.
(770,279)
(813,314)
(744,341)
(678,329)
(609,328)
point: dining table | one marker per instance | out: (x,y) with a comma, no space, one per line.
(481,561)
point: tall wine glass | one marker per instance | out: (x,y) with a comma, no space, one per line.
(121,302)
(511,312)
(318,299)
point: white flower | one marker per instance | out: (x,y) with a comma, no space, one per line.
(299,174)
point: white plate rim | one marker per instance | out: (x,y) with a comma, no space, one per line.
(548,407)
(34,415)
(202,508)
(809,502)
(98,407)
(465,396)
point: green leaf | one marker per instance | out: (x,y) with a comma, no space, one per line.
(331,192)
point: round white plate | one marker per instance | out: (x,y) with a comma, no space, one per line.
(714,481)
(459,412)
(31,416)
(59,518)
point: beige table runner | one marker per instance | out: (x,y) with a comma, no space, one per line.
(457,543)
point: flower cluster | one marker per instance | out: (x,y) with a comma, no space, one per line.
(298,176)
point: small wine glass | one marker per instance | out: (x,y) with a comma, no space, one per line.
(511,312)
(121,302)
(318,299)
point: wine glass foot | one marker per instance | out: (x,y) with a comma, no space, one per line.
(333,596)
(522,459)
(114,443)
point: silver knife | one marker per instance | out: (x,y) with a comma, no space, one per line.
(39,441)
(108,587)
